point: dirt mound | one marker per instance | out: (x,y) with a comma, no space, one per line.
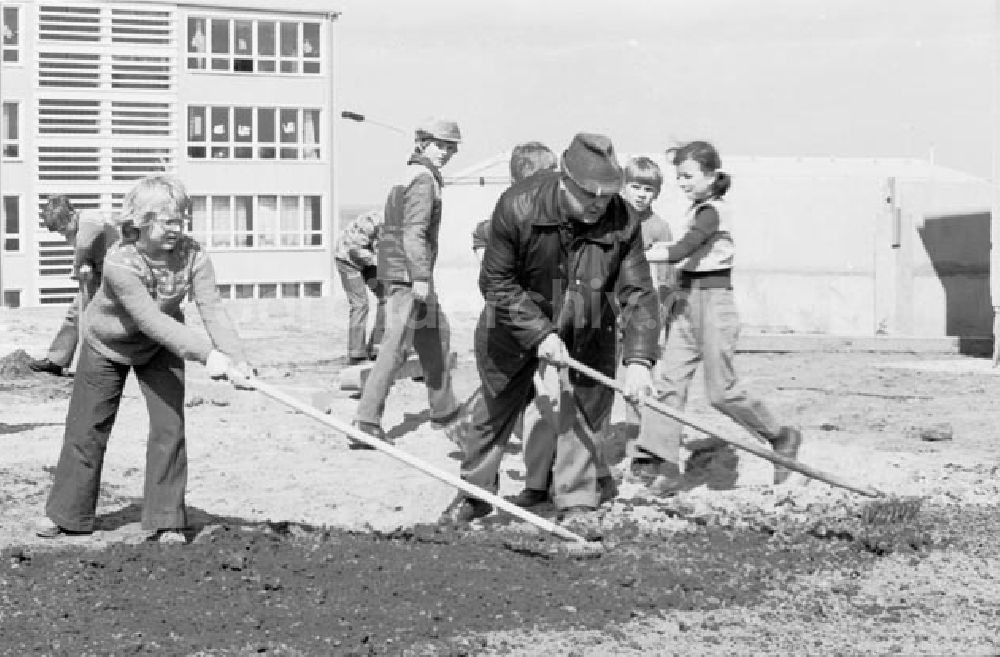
(16,365)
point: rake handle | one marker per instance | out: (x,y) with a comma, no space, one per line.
(412,461)
(753,448)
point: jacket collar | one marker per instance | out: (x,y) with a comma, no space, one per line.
(417,158)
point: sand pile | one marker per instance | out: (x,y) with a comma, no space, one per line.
(16,365)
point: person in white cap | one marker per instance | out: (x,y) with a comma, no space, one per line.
(407,252)
(562,246)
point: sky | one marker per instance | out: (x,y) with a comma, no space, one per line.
(850,78)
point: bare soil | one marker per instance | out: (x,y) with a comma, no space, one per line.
(299,546)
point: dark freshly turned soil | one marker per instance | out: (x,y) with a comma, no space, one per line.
(297,590)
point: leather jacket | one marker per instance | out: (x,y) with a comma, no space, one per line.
(543,272)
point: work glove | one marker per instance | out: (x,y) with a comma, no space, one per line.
(637,382)
(241,375)
(84,273)
(218,364)
(421,290)
(553,350)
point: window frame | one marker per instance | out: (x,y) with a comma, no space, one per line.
(263,231)
(228,290)
(19,126)
(5,236)
(202,146)
(15,48)
(301,63)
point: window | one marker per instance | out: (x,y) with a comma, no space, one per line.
(249,222)
(247,133)
(11,34)
(270,290)
(12,298)
(314,220)
(197,43)
(290,223)
(11,223)
(196,132)
(220,45)
(222,222)
(267,220)
(253,46)
(11,135)
(244,220)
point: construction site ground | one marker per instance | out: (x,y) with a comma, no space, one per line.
(300,546)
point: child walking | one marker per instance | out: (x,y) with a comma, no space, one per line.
(135,323)
(704,327)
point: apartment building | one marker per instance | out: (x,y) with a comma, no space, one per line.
(235,99)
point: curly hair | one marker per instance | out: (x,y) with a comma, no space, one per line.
(58,213)
(151,195)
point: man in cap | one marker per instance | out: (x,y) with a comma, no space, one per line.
(407,251)
(562,247)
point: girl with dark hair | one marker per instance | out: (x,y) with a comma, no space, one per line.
(704,327)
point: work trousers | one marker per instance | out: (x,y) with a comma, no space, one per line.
(97,393)
(557,438)
(704,328)
(543,421)
(422,323)
(357,282)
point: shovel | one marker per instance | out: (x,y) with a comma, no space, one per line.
(579,542)
(754,449)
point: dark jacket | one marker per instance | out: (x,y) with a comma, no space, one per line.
(543,272)
(408,244)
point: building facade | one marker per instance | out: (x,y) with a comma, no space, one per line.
(236,100)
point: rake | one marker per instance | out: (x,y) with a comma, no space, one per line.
(754,449)
(577,545)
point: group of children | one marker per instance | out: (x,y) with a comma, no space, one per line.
(137,271)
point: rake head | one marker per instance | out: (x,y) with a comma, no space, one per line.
(896,510)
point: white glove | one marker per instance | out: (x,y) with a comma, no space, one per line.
(421,290)
(241,375)
(553,350)
(85,273)
(637,382)
(218,364)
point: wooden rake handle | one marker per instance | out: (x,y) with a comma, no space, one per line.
(408,459)
(753,448)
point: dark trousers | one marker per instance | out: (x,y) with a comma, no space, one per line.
(97,393)
(558,438)
(424,325)
(357,282)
